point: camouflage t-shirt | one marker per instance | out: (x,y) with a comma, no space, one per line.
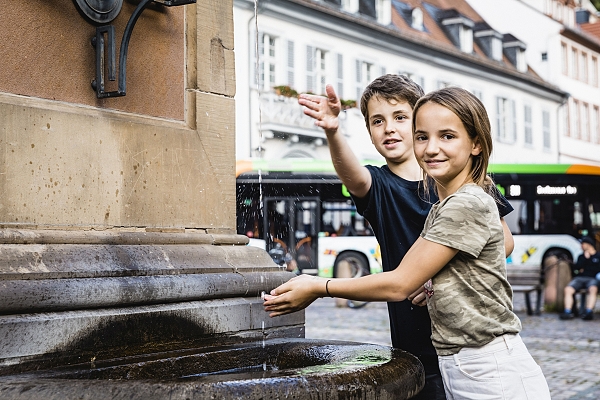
(471,302)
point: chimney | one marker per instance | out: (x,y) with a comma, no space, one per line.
(582,16)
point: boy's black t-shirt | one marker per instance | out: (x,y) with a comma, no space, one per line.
(396,210)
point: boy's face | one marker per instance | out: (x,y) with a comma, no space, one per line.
(390,125)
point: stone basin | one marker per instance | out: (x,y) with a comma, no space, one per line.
(271,369)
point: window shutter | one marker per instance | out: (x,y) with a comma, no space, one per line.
(499,133)
(340,76)
(290,64)
(383,71)
(513,116)
(310,62)
(359,79)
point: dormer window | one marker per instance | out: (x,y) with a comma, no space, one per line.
(489,40)
(515,52)
(383,9)
(417,19)
(459,29)
(350,6)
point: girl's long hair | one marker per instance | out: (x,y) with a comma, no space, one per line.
(471,111)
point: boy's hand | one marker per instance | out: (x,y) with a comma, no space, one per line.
(324,110)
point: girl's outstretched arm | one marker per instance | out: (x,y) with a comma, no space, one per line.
(423,260)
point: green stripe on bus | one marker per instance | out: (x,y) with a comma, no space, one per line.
(528,168)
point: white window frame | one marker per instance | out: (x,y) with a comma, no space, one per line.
(528,125)
(383,10)
(595,124)
(564,49)
(546,136)
(364,75)
(350,6)
(584,118)
(583,67)
(506,120)
(594,72)
(466,38)
(417,19)
(268,52)
(575,123)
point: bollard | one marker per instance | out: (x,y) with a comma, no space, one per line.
(557,275)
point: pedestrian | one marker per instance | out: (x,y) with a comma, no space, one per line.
(459,257)
(585,270)
(391,198)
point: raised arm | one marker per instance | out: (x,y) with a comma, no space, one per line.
(325,111)
(422,261)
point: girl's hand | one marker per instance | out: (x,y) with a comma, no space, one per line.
(324,110)
(418,298)
(294,295)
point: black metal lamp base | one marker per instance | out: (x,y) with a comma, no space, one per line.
(99,11)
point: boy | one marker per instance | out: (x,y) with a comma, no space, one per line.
(390,198)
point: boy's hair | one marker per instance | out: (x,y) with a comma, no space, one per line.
(390,87)
(471,112)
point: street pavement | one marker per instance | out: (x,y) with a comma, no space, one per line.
(567,351)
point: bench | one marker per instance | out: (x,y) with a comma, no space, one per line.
(526,279)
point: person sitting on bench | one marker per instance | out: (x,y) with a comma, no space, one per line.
(585,270)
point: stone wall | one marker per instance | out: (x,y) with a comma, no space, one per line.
(161,157)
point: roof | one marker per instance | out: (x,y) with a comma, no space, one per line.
(592,29)
(434,37)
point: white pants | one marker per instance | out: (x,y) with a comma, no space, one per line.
(501,370)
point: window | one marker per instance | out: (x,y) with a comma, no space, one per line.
(443,84)
(527,125)
(575,131)
(414,77)
(594,72)
(574,59)
(364,75)
(546,129)
(496,49)
(383,9)
(505,120)
(290,64)
(595,125)
(521,62)
(466,39)
(417,19)
(585,128)
(316,70)
(340,76)
(583,67)
(350,5)
(564,58)
(267,49)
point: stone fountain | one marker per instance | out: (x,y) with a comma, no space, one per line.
(121,274)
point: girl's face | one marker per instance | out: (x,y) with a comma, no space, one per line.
(443,147)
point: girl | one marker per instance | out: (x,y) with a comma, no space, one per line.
(459,258)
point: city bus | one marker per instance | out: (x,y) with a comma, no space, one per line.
(299,211)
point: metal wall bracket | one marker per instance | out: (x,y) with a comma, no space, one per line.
(99,41)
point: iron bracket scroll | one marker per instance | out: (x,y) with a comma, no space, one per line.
(105,37)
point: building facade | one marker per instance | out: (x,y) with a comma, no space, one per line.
(304,44)
(563,50)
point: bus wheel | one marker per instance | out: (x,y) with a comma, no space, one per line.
(352,264)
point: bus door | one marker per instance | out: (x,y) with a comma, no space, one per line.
(291,230)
